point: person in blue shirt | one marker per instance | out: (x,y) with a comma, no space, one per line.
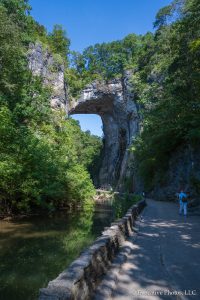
(183,203)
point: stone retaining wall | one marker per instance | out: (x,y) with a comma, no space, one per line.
(84,274)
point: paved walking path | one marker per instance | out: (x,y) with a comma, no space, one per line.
(161,257)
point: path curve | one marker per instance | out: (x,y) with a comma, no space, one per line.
(160,258)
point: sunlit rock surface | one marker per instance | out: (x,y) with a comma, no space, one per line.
(114,103)
(50,68)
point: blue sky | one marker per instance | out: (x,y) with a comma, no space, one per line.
(95,21)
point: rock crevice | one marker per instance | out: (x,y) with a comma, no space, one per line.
(114,103)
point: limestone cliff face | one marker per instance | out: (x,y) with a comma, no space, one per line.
(183,173)
(42,63)
(114,103)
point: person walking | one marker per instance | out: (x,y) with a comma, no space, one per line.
(183,203)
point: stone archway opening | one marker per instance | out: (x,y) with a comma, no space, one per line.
(91,122)
(113,102)
(102,106)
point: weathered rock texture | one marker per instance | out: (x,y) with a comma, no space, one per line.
(183,173)
(50,68)
(114,103)
(82,277)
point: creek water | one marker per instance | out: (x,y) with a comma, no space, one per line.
(35,250)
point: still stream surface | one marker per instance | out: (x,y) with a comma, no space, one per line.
(35,250)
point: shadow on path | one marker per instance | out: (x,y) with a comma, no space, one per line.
(160,261)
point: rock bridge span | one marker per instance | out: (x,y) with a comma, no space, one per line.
(114,103)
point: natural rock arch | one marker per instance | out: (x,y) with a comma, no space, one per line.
(114,103)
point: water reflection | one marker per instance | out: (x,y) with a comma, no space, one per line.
(35,250)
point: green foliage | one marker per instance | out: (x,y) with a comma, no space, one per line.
(59,42)
(80,187)
(162,16)
(102,62)
(44,159)
(76,81)
(122,203)
(39,164)
(11,57)
(18,10)
(168,88)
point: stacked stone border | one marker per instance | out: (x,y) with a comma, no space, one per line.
(79,281)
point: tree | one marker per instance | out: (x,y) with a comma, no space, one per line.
(39,158)
(171,93)
(59,41)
